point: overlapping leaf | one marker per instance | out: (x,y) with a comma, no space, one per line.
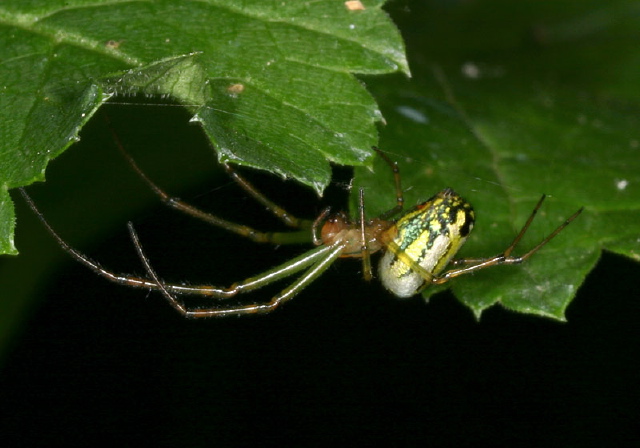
(271,82)
(515,121)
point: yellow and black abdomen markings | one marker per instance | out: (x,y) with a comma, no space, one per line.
(427,238)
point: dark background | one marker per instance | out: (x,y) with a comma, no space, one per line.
(343,362)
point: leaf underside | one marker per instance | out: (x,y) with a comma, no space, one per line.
(270,82)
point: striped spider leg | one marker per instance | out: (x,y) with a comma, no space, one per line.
(334,236)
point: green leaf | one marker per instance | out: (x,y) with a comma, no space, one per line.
(271,82)
(500,119)
(509,100)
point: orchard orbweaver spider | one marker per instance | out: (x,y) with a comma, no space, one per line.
(418,246)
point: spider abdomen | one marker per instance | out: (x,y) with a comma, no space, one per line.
(423,242)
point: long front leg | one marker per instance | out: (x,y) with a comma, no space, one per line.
(283,271)
(319,259)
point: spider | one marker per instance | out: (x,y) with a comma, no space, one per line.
(417,247)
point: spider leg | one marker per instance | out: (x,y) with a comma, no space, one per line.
(314,257)
(316,227)
(333,253)
(248,232)
(319,260)
(550,236)
(413,264)
(81,258)
(284,216)
(475,264)
(152,273)
(396,177)
(366,255)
